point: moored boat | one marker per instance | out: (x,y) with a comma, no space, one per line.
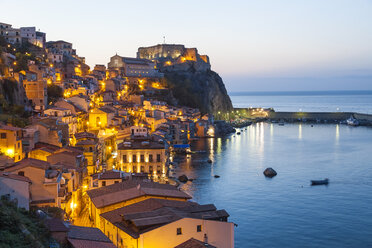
(352,121)
(320,182)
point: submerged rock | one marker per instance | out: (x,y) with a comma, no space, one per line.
(270,172)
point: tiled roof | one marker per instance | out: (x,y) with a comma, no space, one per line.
(78,243)
(29,162)
(110,175)
(86,142)
(10,128)
(144,206)
(14,177)
(82,135)
(87,233)
(140,144)
(56,225)
(131,189)
(150,214)
(194,243)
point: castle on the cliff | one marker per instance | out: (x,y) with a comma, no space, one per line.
(173,54)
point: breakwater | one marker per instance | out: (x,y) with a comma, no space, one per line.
(323,117)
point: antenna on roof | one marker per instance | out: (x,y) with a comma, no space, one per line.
(164,39)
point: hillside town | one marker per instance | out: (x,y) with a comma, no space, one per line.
(97,144)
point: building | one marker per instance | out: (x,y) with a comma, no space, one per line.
(11,142)
(36,91)
(81,237)
(166,223)
(77,236)
(142,155)
(133,67)
(34,37)
(64,115)
(89,143)
(100,117)
(11,35)
(17,188)
(118,195)
(169,54)
(107,178)
(45,182)
(60,47)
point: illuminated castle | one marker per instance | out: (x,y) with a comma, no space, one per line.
(171,54)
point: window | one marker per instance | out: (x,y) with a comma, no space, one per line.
(150,158)
(21,173)
(124,158)
(142,169)
(151,169)
(91,149)
(142,158)
(116,182)
(103,183)
(158,170)
(134,159)
(3,135)
(157,157)
(198,228)
(179,231)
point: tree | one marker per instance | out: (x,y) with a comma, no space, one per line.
(54,93)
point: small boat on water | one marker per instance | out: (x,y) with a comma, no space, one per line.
(320,182)
(352,121)
(281,123)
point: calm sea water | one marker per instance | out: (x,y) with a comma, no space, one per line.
(286,211)
(311,101)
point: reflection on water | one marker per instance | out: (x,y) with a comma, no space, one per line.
(285,211)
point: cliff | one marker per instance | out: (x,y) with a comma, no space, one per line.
(189,77)
(203,89)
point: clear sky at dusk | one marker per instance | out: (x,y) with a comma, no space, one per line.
(254,45)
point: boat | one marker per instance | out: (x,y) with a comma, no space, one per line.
(320,182)
(352,121)
(281,123)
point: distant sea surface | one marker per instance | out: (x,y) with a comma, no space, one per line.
(307,101)
(286,211)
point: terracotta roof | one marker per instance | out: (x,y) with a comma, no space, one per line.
(14,177)
(140,144)
(148,215)
(107,110)
(86,142)
(194,243)
(144,206)
(27,163)
(82,135)
(87,233)
(10,128)
(131,189)
(110,175)
(78,243)
(56,225)
(46,145)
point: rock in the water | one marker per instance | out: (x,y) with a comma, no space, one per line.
(216,176)
(209,161)
(270,172)
(183,179)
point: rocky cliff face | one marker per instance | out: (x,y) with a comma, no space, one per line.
(12,93)
(193,84)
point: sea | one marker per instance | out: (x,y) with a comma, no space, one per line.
(286,211)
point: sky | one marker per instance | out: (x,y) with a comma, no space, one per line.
(260,45)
